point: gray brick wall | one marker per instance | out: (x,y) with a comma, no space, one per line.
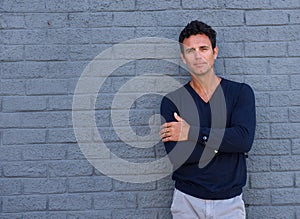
(44,47)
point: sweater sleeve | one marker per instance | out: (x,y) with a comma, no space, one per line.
(167,109)
(239,135)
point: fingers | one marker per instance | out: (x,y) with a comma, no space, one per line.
(178,118)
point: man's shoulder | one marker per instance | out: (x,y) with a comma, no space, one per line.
(181,95)
(235,85)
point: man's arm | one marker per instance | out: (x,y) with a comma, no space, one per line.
(237,138)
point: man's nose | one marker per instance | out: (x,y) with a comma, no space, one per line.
(198,54)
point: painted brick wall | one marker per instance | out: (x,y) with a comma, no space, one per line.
(44,47)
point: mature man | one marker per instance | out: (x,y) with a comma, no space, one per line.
(213,190)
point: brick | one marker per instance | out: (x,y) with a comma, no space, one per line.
(132,19)
(262,99)
(151,101)
(46,53)
(24,203)
(284,33)
(129,149)
(164,213)
(166,183)
(63,70)
(155,199)
(271,147)
(10,216)
(108,5)
(10,153)
(46,20)
(237,4)
(157,5)
(44,186)
(23,37)
(109,35)
(285,163)
(265,49)
(67,6)
(244,34)
(46,87)
(167,32)
(10,187)
(282,4)
(285,196)
(126,186)
(294,114)
(195,4)
(296,146)
(257,197)
(231,50)
(297,184)
(74,152)
(11,53)
(295,81)
(67,36)
(23,6)
(284,66)
(285,130)
(89,184)
(258,163)
(19,104)
(12,87)
(285,98)
(62,135)
(34,119)
(86,52)
(272,114)
(156,66)
(12,21)
(134,214)
(70,202)
(267,17)
(247,66)
(11,120)
(44,152)
(25,169)
(212,17)
(92,214)
(70,168)
(271,180)
(45,119)
(294,17)
(115,201)
(283,212)
(38,215)
(65,102)
(294,49)
(20,70)
(83,20)
(23,136)
(268,83)
(262,131)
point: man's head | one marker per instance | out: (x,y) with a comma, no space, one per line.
(197,27)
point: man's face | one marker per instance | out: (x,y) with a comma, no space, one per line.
(198,54)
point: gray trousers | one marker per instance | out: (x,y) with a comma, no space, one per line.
(188,207)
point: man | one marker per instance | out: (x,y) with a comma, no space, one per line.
(212,190)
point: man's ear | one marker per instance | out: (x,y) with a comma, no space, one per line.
(182,57)
(216,51)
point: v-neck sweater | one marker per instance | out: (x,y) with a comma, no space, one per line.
(224,126)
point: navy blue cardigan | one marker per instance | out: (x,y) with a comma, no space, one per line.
(221,132)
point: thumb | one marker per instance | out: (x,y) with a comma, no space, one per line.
(178,118)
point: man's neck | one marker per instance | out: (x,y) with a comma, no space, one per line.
(205,85)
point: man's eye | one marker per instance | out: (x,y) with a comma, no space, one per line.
(190,51)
